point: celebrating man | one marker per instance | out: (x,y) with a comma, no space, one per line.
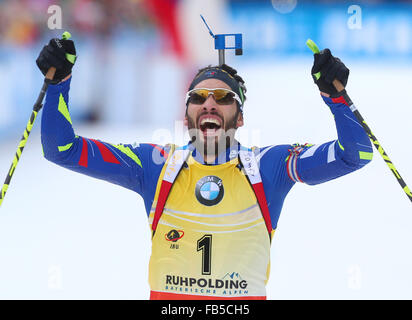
(213,204)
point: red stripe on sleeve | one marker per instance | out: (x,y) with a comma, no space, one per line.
(107,155)
(161,150)
(288,169)
(295,169)
(84,155)
(340,99)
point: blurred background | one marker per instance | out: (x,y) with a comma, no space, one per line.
(65,236)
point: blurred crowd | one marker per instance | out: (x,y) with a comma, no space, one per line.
(133,46)
(23,22)
(109,35)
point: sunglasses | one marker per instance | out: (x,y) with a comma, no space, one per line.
(222,96)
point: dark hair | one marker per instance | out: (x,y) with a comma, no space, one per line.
(229,70)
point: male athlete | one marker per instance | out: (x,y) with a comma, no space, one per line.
(213,204)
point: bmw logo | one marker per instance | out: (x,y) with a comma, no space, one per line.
(209,190)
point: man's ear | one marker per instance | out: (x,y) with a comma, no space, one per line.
(185,120)
(239,122)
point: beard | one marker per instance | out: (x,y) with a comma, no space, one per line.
(209,142)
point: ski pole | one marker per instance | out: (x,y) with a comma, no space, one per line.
(36,108)
(339,87)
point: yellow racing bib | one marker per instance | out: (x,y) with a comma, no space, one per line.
(211,240)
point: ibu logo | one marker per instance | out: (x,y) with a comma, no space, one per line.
(209,190)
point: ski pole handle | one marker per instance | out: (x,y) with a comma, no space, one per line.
(50,73)
(338,85)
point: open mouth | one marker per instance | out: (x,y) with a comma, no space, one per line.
(210,126)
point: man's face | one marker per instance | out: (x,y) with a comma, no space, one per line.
(210,124)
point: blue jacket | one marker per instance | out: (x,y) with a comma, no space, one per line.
(138,166)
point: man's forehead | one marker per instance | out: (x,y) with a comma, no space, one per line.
(212,83)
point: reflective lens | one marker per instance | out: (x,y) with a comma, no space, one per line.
(222,96)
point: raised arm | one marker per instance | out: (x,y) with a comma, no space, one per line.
(315,164)
(118,164)
(131,166)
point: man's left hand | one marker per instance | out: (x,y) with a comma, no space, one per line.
(330,68)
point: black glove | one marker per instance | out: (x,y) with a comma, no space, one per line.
(330,68)
(60,54)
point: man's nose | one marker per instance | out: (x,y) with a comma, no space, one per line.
(210,102)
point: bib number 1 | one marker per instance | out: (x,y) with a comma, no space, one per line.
(204,244)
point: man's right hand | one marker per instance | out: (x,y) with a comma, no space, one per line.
(59,53)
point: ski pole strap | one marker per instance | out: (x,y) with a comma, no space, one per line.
(173,166)
(248,161)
